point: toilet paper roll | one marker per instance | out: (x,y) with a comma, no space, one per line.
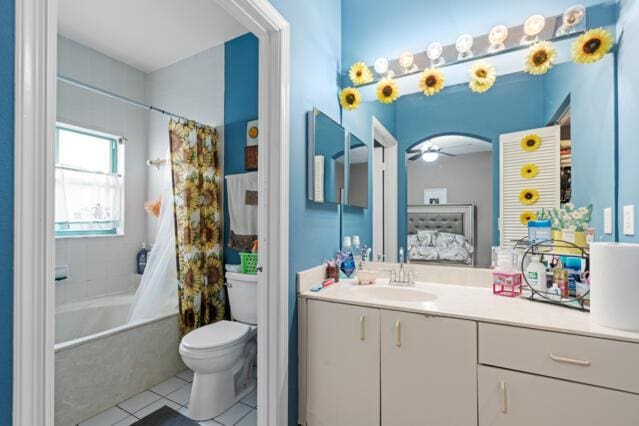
(614,285)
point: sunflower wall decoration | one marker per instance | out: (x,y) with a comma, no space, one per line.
(530,143)
(431,81)
(591,46)
(528,196)
(387,91)
(350,98)
(529,171)
(359,73)
(526,217)
(540,58)
(482,77)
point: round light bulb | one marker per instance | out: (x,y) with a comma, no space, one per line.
(464,43)
(430,156)
(434,50)
(534,25)
(498,34)
(574,15)
(381,66)
(406,59)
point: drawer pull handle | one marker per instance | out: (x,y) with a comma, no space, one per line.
(362,328)
(504,397)
(582,362)
(398,334)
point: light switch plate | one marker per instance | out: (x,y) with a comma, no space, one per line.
(608,221)
(629,220)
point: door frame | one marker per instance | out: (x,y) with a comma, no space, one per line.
(34,249)
(390,144)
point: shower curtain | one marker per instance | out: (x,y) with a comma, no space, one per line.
(196,177)
(157,293)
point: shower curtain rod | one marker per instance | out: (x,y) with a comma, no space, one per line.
(130,101)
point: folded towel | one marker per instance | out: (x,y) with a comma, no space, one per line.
(242,200)
(318,184)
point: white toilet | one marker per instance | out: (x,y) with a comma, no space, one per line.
(222,355)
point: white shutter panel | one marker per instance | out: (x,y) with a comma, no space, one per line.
(547,182)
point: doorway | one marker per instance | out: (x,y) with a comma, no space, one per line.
(384,193)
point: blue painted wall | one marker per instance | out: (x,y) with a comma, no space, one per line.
(628,84)
(458,110)
(356,220)
(315,63)
(241,76)
(6,217)
(374,28)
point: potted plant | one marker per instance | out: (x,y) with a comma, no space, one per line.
(570,224)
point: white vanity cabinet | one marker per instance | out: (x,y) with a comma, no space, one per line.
(428,370)
(342,365)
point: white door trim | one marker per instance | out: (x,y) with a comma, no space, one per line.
(383,136)
(34,304)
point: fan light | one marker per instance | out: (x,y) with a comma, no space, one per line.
(533,26)
(464,44)
(381,66)
(430,156)
(497,37)
(434,53)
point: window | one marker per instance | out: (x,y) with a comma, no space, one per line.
(89,183)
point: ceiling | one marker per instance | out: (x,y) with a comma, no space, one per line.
(147,34)
(458,145)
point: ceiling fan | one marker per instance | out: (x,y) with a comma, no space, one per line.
(428,152)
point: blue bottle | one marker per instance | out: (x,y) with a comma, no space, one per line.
(348,265)
(142,258)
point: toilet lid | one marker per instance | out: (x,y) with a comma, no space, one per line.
(215,336)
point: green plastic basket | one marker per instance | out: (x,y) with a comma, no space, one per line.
(249,263)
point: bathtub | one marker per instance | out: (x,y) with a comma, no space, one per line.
(101,360)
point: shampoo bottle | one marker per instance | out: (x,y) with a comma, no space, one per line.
(536,274)
(142,258)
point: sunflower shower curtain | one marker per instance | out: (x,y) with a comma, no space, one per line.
(196,176)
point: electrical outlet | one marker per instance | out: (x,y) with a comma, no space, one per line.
(629,220)
(608,221)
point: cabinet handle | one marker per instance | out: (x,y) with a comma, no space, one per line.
(581,362)
(398,334)
(362,328)
(504,397)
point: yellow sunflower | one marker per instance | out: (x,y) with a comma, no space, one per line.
(540,58)
(591,46)
(529,171)
(526,217)
(530,143)
(528,196)
(431,81)
(387,91)
(482,77)
(360,73)
(350,98)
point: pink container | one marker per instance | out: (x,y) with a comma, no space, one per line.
(507,284)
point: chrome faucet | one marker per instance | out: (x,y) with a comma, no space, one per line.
(403,277)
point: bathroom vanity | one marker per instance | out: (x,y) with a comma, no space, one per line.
(446,354)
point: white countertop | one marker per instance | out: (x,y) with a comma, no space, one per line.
(479,304)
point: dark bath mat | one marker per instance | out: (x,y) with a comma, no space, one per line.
(165,416)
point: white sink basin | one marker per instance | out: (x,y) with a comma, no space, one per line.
(395,294)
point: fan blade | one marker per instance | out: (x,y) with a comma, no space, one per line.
(415,157)
(445,153)
(414,151)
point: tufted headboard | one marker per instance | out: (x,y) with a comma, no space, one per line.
(453,218)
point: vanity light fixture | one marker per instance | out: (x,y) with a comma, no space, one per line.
(430,156)
(533,26)
(497,37)
(572,17)
(381,66)
(464,44)
(407,61)
(434,52)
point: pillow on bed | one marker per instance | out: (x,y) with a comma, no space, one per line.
(445,239)
(426,237)
(413,241)
(427,253)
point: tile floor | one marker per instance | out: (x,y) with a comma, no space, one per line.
(175,393)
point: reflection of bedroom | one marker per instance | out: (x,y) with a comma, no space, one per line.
(462,171)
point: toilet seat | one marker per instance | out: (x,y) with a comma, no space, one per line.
(214,337)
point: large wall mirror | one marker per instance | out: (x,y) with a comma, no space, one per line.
(530,142)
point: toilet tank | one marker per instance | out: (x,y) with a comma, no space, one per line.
(242,291)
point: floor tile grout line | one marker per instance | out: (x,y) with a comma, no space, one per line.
(240,419)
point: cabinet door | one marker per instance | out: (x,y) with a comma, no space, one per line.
(429,370)
(509,398)
(342,365)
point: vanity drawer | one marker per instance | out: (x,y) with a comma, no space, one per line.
(601,362)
